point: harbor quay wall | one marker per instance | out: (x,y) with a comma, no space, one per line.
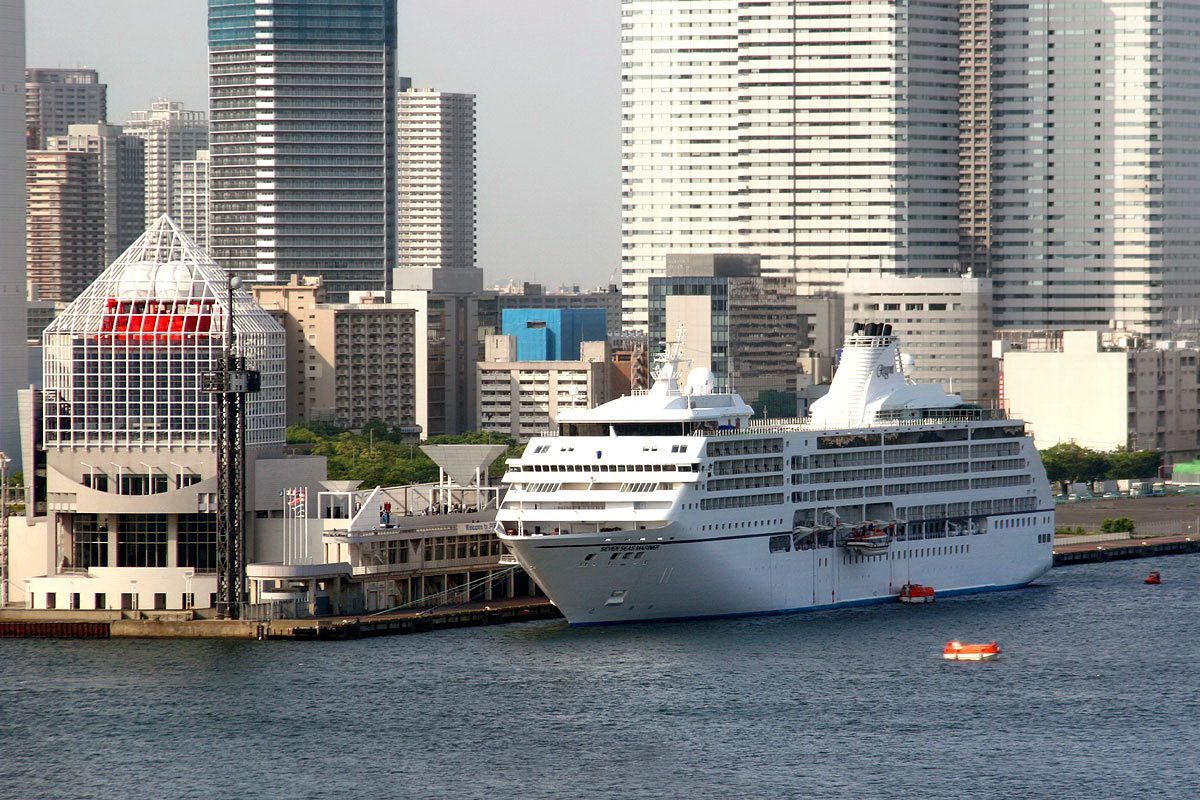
(52,624)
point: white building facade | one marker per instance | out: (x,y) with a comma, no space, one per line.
(189,196)
(1105,391)
(172,134)
(823,138)
(435,179)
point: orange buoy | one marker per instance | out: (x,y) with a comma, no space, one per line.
(1153,578)
(957,651)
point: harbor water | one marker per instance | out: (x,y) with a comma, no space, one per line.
(1097,695)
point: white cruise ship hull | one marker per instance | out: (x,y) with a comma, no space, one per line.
(679,576)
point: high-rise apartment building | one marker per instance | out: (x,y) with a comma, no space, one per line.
(823,138)
(189,196)
(12,220)
(302,140)
(348,363)
(522,399)
(1096,165)
(171,133)
(975,133)
(120,172)
(435,178)
(64,229)
(56,99)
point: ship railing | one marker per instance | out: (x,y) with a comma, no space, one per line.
(807,424)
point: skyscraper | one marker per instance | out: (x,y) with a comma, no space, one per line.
(1096,222)
(171,133)
(189,197)
(302,140)
(823,138)
(12,219)
(55,99)
(65,222)
(121,171)
(435,178)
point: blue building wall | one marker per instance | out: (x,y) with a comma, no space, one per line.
(553,334)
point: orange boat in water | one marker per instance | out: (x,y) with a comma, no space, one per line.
(957,651)
(1153,578)
(916,593)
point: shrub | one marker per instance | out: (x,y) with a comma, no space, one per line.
(1118,525)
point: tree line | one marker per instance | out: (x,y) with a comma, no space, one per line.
(1072,463)
(383,455)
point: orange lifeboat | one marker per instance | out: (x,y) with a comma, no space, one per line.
(1153,578)
(957,651)
(916,593)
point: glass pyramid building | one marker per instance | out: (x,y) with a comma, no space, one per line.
(124,362)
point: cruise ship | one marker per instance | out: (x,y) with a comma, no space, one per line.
(675,504)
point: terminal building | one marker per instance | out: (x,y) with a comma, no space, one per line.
(120,456)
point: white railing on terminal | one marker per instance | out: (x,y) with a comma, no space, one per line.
(385,507)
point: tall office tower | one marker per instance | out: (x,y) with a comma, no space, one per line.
(64,223)
(975,134)
(121,173)
(55,99)
(171,133)
(823,138)
(189,197)
(1096,222)
(435,178)
(12,220)
(303,140)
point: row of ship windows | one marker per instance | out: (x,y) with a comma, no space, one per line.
(905,456)
(639,487)
(605,468)
(726,526)
(945,468)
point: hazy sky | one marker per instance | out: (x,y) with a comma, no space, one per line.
(546,73)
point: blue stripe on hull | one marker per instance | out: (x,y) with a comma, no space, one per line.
(869,601)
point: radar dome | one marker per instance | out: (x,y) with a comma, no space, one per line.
(700,381)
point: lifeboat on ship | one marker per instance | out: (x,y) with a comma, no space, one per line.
(869,538)
(1154,578)
(957,651)
(916,593)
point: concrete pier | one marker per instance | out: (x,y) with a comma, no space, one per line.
(1085,553)
(46,624)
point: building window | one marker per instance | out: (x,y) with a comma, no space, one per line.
(197,547)
(101,601)
(142,540)
(91,541)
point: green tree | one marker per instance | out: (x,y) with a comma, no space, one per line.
(1127,464)
(1069,463)
(1118,525)
(382,454)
